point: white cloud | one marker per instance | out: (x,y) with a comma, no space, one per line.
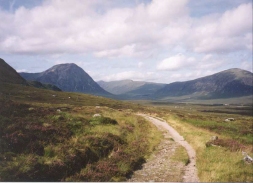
(133,75)
(182,67)
(54,27)
(186,76)
(140,64)
(237,21)
(21,70)
(175,62)
(137,36)
(126,51)
(123,75)
(247,66)
(228,32)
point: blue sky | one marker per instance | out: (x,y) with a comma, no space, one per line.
(152,40)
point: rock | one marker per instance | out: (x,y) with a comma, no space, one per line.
(247,158)
(97,115)
(58,110)
(229,119)
(213,138)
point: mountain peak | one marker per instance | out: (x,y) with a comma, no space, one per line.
(68,77)
(238,72)
(64,66)
(229,83)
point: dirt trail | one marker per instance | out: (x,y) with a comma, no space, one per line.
(151,167)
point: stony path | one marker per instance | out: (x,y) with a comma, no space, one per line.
(160,167)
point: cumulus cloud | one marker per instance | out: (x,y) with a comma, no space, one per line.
(140,64)
(175,62)
(126,51)
(183,62)
(111,31)
(247,66)
(186,76)
(136,37)
(133,75)
(228,32)
(55,27)
(21,70)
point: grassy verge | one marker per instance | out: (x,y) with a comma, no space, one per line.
(215,164)
(181,155)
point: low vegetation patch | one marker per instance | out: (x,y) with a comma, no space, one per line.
(230,144)
(222,162)
(181,155)
(65,143)
(102,120)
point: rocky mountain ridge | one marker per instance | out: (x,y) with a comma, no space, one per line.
(229,83)
(226,84)
(130,88)
(68,77)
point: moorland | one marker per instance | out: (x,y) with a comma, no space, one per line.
(44,131)
(48,135)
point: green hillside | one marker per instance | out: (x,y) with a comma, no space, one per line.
(52,136)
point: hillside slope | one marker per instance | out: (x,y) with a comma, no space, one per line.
(225,84)
(51,136)
(38,84)
(9,75)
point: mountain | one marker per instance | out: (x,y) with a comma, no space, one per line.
(225,84)
(68,77)
(120,87)
(9,75)
(131,89)
(145,91)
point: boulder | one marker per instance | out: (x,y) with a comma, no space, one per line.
(97,115)
(229,119)
(213,138)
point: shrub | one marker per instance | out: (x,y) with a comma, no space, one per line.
(230,144)
(102,120)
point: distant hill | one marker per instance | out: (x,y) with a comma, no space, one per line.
(120,87)
(9,75)
(129,89)
(226,84)
(68,77)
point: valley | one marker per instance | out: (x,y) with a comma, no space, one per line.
(48,134)
(126,91)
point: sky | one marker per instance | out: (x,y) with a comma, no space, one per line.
(159,41)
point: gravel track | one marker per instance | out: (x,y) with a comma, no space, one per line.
(160,164)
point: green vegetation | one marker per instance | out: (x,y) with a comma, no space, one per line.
(181,155)
(53,136)
(198,123)
(43,86)
(214,120)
